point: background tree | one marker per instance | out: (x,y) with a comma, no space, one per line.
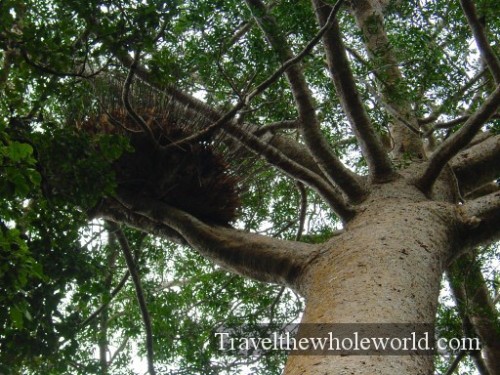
(344,152)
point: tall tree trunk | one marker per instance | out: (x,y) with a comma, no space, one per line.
(386,268)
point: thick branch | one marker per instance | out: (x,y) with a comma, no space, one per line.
(449,148)
(113,211)
(491,187)
(481,40)
(310,127)
(481,217)
(377,159)
(477,165)
(371,22)
(259,257)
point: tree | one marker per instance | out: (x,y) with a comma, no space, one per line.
(379,118)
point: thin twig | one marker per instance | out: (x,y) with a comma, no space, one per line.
(458,95)
(118,350)
(244,28)
(126,99)
(275,302)
(112,295)
(446,125)
(48,70)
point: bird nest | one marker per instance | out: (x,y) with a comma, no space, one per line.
(192,176)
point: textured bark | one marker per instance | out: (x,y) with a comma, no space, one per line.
(338,65)
(481,217)
(477,165)
(385,268)
(258,257)
(370,19)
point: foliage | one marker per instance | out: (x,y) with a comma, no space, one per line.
(57,267)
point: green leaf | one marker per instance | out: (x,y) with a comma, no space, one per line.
(17,151)
(21,184)
(16,315)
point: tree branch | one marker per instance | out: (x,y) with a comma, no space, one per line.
(294,159)
(251,255)
(103,317)
(475,305)
(294,151)
(328,162)
(491,187)
(118,350)
(481,217)
(377,159)
(393,88)
(456,361)
(126,99)
(477,165)
(243,28)
(112,210)
(458,95)
(291,149)
(275,126)
(132,268)
(246,99)
(445,125)
(303,210)
(481,40)
(449,148)
(330,193)
(112,295)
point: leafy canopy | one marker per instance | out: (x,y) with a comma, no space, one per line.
(57,268)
